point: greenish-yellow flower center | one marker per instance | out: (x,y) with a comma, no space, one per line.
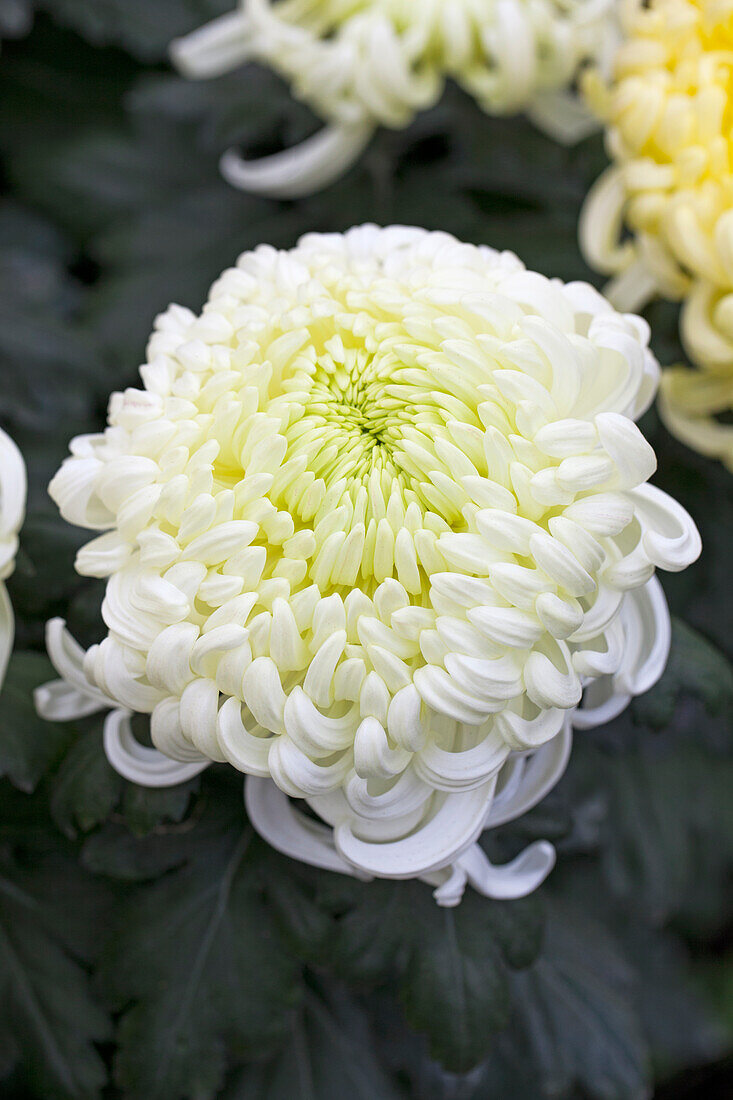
(367,456)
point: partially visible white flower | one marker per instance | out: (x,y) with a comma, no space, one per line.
(377,523)
(12,512)
(16,18)
(367,63)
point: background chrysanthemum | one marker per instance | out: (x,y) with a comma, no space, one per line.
(378,515)
(669,112)
(378,62)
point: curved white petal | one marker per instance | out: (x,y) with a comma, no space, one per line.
(80,696)
(601,225)
(541,771)
(450,771)
(504,883)
(380,63)
(647,639)
(141,765)
(455,825)
(308,167)
(563,116)
(670,537)
(59,701)
(289,830)
(216,48)
(13,491)
(632,289)
(293,833)
(406,795)
(7,630)
(601,704)
(13,488)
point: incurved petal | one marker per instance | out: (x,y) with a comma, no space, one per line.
(542,771)
(141,765)
(649,637)
(59,701)
(243,749)
(301,777)
(601,704)
(670,536)
(406,795)
(462,770)
(290,831)
(456,825)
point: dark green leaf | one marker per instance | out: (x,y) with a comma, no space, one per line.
(86,788)
(455,988)
(143,28)
(28,745)
(46,1008)
(328,1055)
(575,1008)
(197,958)
(117,853)
(44,576)
(661,817)
(715,981)
(306,926)
(681,1029)
(453,963)
(146,808)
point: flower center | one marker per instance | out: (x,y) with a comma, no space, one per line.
(365,467)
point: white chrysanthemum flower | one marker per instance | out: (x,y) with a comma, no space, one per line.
(12,511)
(377,518)
(361,64)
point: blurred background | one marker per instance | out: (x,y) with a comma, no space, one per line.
(616,983)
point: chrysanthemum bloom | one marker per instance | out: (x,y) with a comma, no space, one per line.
(361,64)
(669,112)
(375,520)
(12,511)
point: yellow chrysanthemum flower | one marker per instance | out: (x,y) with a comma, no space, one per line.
(12,511)
(669,112)
(376,519)
(365,63)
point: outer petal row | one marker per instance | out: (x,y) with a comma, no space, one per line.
(412,830)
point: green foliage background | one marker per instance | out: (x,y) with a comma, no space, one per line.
(151,947)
